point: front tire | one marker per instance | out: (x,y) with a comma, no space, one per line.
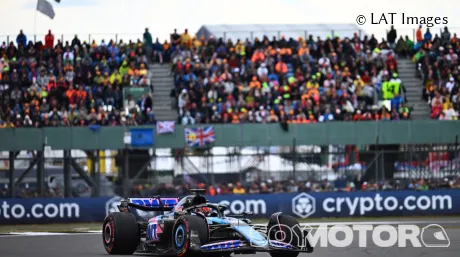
(120,233)
(277,222)
(182,231)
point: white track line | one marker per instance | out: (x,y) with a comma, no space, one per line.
(412,222)
(47,234)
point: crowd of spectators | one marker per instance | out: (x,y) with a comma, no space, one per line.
(54,83)
(285,80)
(31,193)
(259,187)
(437,60)
(271,186)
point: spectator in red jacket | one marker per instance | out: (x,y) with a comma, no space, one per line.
(49,40)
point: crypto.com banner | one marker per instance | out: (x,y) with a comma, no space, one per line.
(300,205)
(319,205)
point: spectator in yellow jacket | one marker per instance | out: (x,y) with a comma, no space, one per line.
(359,84)
(116,76)
(240,48)
(313,83)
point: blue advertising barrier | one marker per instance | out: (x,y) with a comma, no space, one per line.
(300,205)
(340,204)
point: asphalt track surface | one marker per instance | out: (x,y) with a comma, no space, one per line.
(87,245)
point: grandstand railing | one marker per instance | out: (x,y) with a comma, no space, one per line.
(323,34)
(229,135)
(251,35)
(126,37)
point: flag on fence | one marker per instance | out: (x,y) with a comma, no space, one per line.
(198,137)
(141,137)
(95,128)
(46,8)
(165,127)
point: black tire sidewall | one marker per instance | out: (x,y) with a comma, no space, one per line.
(109,223)
(286,220)
(124,236)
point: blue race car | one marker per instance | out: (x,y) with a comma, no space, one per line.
(192,226)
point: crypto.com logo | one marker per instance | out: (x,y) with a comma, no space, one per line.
(303,205)
(297,237)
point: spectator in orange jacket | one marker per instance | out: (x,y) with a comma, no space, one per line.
(281,67)
(419,34)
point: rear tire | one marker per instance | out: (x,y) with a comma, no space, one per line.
(276,233)
(120,233)
(181,233)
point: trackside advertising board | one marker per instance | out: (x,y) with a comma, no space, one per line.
(300,205)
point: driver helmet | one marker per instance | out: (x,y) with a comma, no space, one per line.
(205,210)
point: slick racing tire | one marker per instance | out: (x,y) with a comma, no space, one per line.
(182,232)
(277,224)
(120,233)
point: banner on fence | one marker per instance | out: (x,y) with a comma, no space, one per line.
(141,137)
(300,205)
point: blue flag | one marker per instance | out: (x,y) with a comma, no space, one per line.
(95,128)
(141,137)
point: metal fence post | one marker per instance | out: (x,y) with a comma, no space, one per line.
(67,174)
(377,157)
(294,159)
(11,184)
(126,184)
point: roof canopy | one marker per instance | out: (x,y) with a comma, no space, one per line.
(252,31)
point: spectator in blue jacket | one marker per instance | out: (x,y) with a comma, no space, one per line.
(427,37)
(158,51)
(21,39)
(397,101)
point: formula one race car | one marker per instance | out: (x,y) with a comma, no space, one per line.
(193,226)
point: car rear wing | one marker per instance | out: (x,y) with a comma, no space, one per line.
(155,203)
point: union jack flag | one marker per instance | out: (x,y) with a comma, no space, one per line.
(199,137)
(165,127)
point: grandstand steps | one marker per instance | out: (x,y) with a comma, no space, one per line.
(160,75)
(162,82)
(408,74)
(161,89)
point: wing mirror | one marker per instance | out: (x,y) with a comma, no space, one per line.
(223,207)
